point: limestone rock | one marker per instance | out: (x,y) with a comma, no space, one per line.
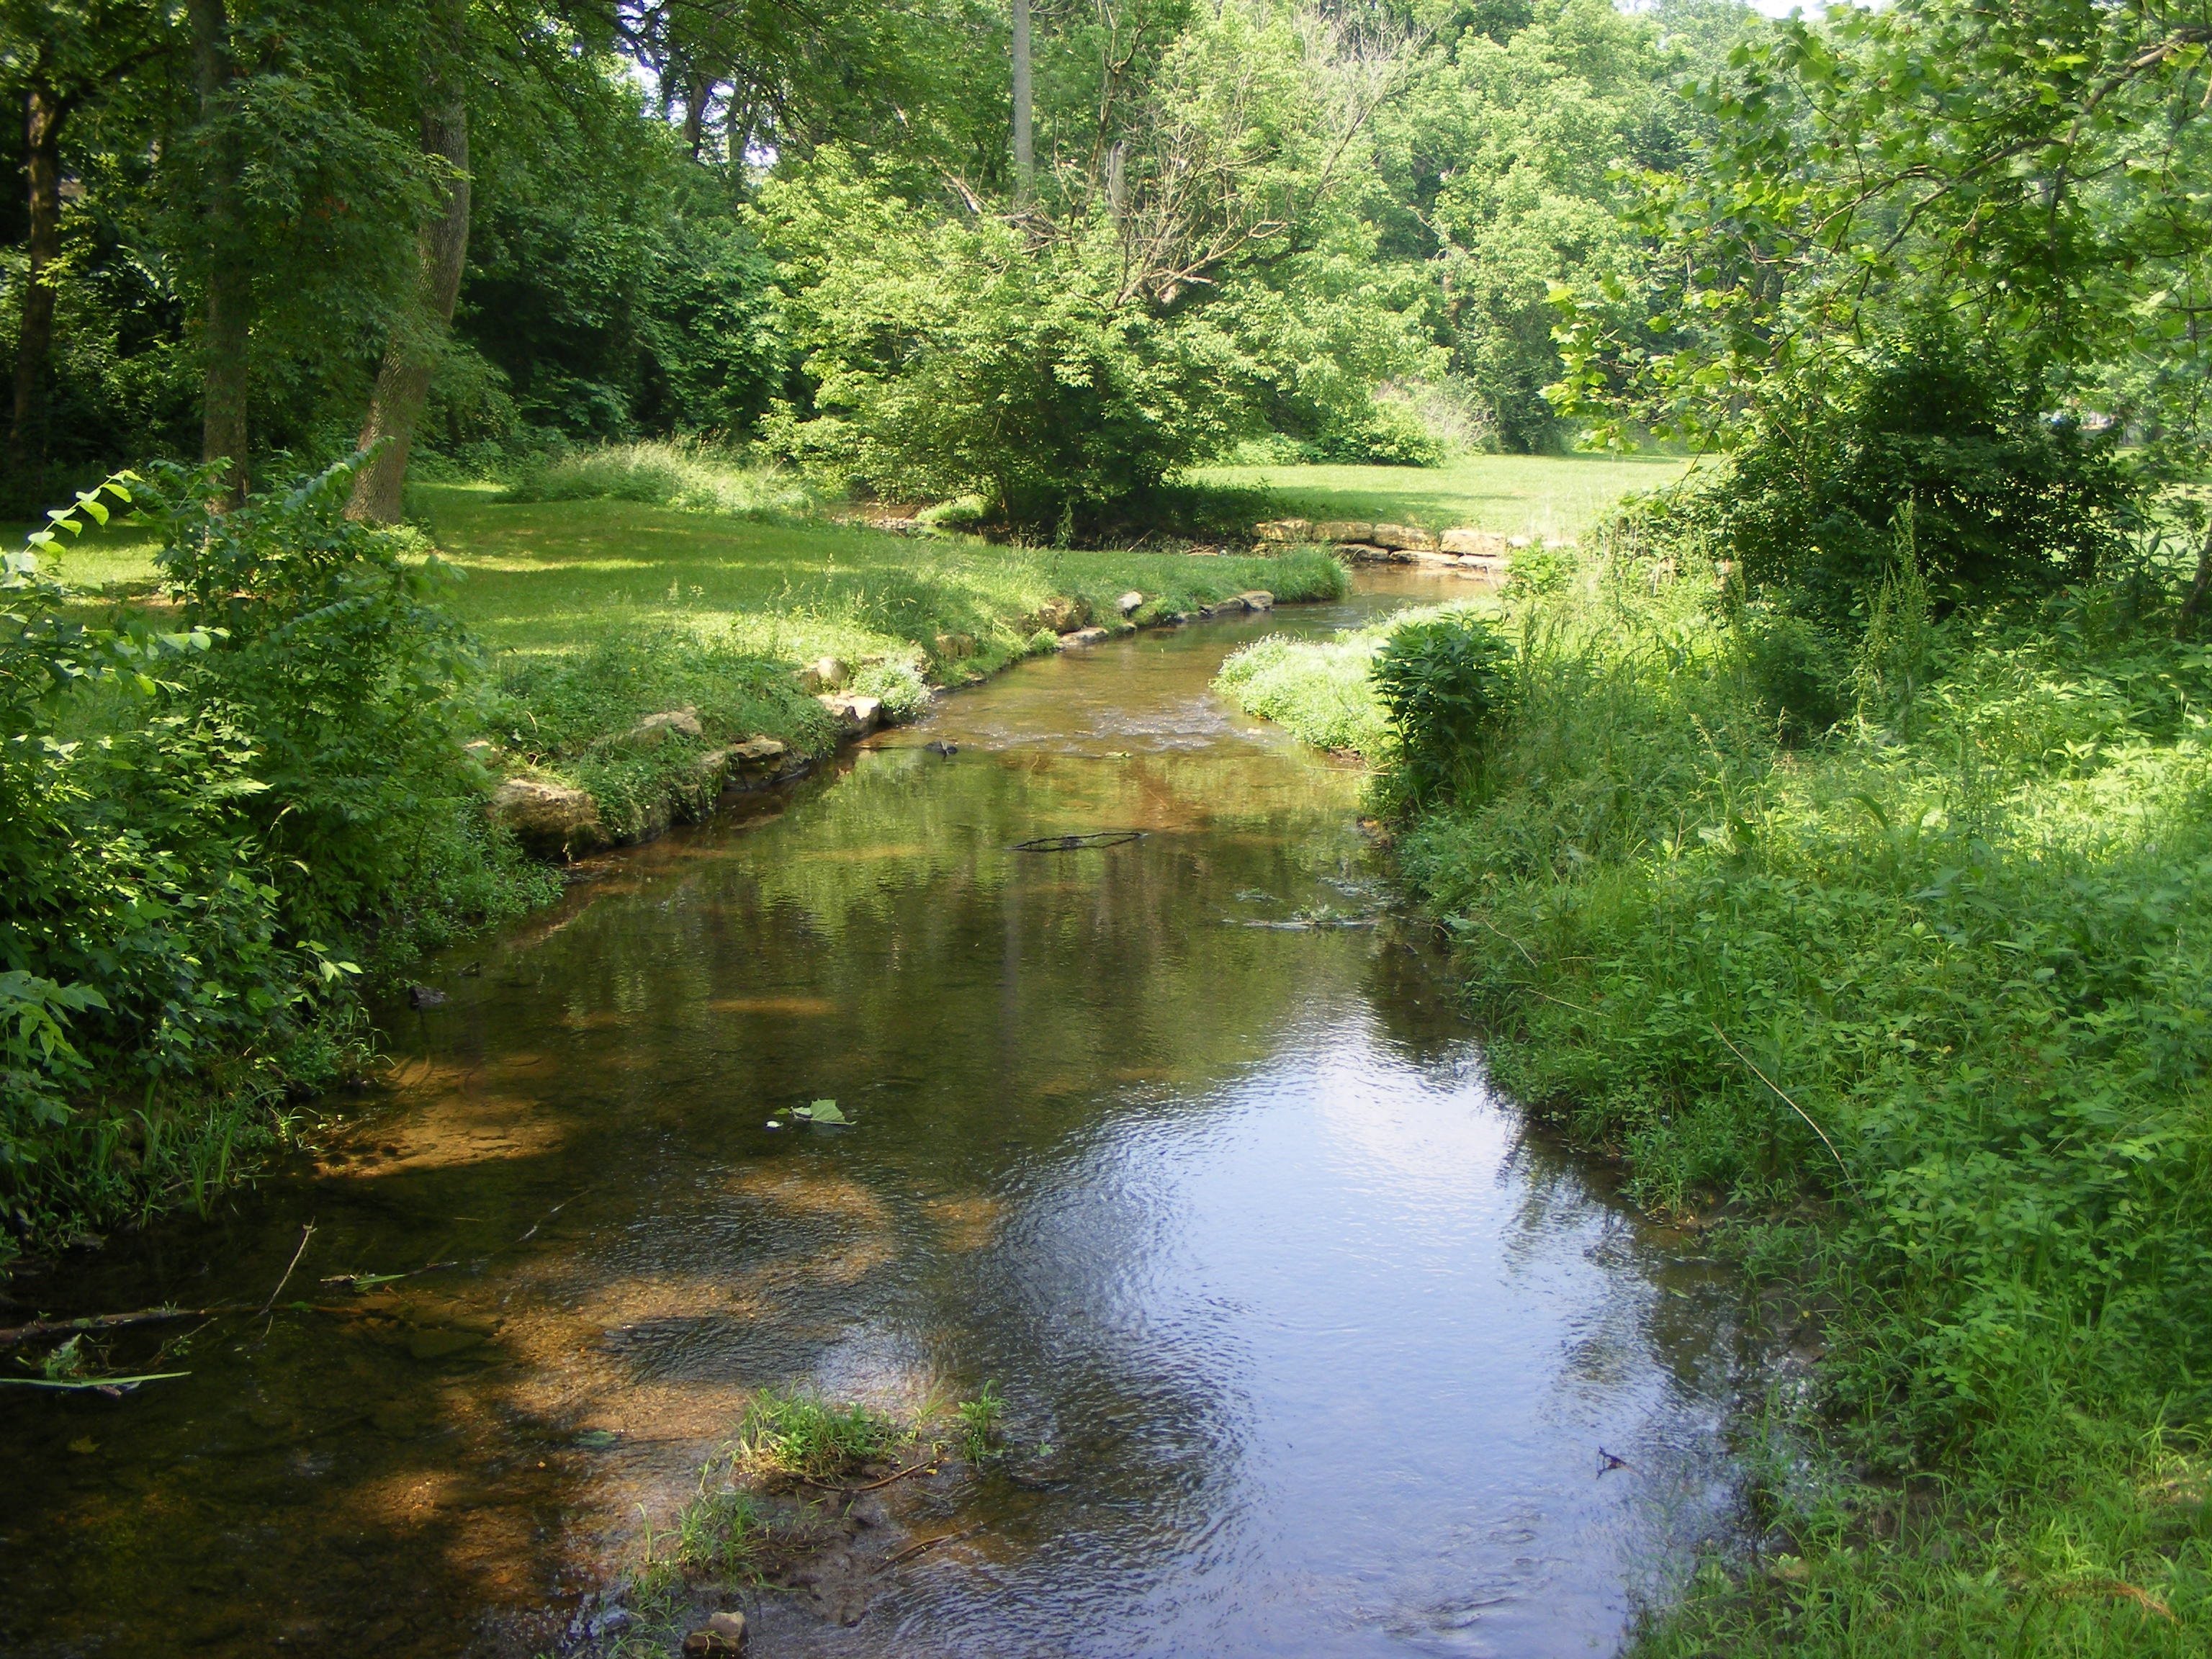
(1058,615)
(1205,549)
(1344,530)
(855,712)
(548,818)
(757,751)
(1129,603)
(951,648)
(722,1636)
(1467,539)
(484,752)
(659,728)
(1368,553)
(1284,530)
(1082,636)
(824,674)
(1403,538)
(1258,598)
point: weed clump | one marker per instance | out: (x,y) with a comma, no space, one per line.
(802,1436)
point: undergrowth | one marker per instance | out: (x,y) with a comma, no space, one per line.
(678,473)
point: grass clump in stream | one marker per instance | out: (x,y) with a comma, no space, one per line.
(802,1436)
(1916,1006)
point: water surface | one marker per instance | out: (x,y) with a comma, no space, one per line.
(1328,1348)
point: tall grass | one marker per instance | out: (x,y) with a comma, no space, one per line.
(1919,1014)
(678,473)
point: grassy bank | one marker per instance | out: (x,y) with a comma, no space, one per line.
(601,612)
(1549,497)
(1916,1016)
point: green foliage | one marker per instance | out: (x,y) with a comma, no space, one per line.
(1318,690)
(1443,683)
(2002,500)
(801,1435)
(2009,167)
(680,473)
(1796,672)
(1946,979)
(981,1432)
(189,815)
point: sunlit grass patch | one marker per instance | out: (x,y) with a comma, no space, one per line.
(1555,498)
(803,1436)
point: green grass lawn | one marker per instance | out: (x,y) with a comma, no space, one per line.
(1555,496)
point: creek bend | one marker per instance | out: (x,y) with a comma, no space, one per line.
(1325,1341)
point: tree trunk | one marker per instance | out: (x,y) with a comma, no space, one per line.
(229,278)
(403,382)
(44,111)
(1025,142)
(2192,607)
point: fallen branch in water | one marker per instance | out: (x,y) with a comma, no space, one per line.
(855,1491)
(104,1385)
(913,1550)
(12,1335)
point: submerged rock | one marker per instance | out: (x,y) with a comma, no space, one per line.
(548,818)
(424,997)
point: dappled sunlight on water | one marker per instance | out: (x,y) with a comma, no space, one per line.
(1323,1342)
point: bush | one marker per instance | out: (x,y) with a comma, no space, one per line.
(1797,672)
(2006,501)
(1443,682)
(196,824)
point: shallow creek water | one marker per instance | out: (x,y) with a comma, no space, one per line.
(1324,1340)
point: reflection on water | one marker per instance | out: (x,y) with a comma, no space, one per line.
(1324,1343)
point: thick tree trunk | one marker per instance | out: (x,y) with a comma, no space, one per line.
(229,323)
(403,383)
(1024,141)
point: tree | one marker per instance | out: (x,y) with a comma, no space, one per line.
(403,384)
(2031,170)
(54,57)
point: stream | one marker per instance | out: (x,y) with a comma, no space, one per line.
(1310,1343)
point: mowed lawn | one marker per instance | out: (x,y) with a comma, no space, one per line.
(1556,497)
(542,577)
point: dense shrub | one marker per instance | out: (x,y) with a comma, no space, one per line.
(2005,499)
(197,822)
(1443,682)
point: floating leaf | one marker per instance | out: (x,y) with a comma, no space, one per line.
(821,1111)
